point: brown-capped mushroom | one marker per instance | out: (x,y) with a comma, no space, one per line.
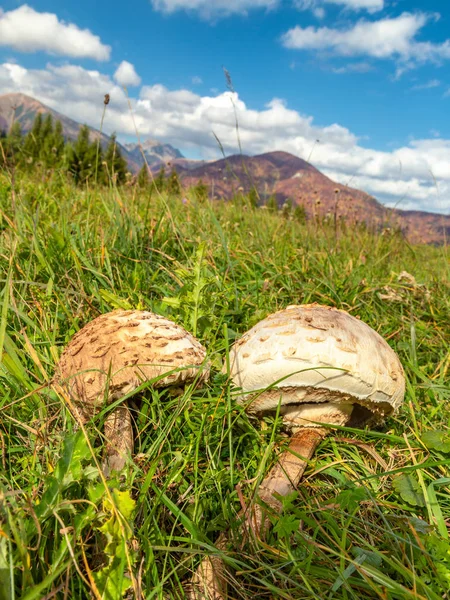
(116,353)
(316,365)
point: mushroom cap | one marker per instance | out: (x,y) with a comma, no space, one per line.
(311,354)
(116,352)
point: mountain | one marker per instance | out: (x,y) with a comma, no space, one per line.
(155,152)
(278,174)
(22,108)
(287,177)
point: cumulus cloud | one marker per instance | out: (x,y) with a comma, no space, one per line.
(415,175)
(126,75)
(369,5)
(213,8)
(382,39)
(27,30)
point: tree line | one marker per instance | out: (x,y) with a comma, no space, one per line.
(85,161)
(45,147)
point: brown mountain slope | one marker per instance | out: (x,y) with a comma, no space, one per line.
(288,177)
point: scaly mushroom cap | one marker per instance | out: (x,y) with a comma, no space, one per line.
(317,361)
(122,349)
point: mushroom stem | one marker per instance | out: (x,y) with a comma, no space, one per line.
(209,581)
(284,477)
(118,439)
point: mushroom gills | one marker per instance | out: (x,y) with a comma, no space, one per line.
(316,414)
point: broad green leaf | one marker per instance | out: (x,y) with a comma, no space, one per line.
(350,499)
(286,525)
(437,440)
(111,581)
(409,489)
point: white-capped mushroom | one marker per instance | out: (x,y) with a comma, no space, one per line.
(316,365)
(113,355)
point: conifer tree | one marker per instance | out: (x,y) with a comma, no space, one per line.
(159,182)
(11,145)
(58,143)
(32,143)
(272,204)
(253,197)
(173,184)
(115,163)
(201,191)
(81,164)
(143,180)
(15,139)
(46,143)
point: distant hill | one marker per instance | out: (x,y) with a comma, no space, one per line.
(285,176)
(274,173)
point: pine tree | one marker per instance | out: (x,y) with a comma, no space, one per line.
(11,145)
(143,180)
(46,144)
(253,197)
(201,191)
(173,184)
(15,138)
(272,204)
(115,163)
(69,160)
(159,182)
(32,143)
(58,143)
(300,213)
(80,166)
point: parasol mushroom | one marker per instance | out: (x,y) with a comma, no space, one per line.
(113,355)
(318,366)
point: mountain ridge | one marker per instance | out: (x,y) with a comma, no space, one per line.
(277,173)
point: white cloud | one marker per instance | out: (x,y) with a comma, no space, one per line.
(428,85)
(27,30)
(358,67)
(126,75)
(213,8)
(382,39)
(196,80)
(369,5)
(415,175)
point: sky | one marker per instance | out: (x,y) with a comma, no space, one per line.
(360,88)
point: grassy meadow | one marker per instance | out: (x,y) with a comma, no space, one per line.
(370,519)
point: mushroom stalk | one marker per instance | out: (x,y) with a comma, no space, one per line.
(209,581)
(286,474)
(118,439)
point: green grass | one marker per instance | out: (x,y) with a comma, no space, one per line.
(370,519)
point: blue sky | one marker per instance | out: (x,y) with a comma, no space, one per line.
(369,79)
